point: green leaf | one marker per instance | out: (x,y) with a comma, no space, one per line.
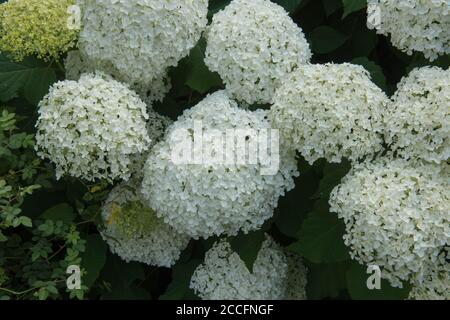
(93,259)
(351,6)
(30,76)
(247,246)
(199,77)
(332,176)
(181,277)
(3,238)
(375,70)
(325,280)
(216,5)
(325,39)
(320,239)
(331,6)
(357,286)
(25,221)
(120,277)
(289,5)
(61,212)
(38,83)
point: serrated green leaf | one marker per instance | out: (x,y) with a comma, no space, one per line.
(199,77)
(320,239)
(325,39)
(325,280)
(289,5)
(38,83)
(375,70)
(93,259)
(181,277)
(30,76)
(332,176)
(351,6)
(121,277)
(357,286)
(331,6)
(247,246)
(61,212)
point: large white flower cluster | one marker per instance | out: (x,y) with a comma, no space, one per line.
(135,233)
(137,40)
(253,45)
(92,128)
(204,199)
(413,25)
(418,120)
(152,90)
(224,276)
(396,215)
(330,111)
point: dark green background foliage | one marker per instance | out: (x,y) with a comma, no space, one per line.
(46,225)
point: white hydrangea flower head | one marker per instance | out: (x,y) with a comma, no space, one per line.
(435,285)
(92,128)
(296,278)
(154,89)
(418,120)
(137,40)
(205,199)
(396,215)
(135,233)
(253,45)
(224,276)
(330,111)
(413,25)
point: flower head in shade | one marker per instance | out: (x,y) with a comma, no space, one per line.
(254,45)
(135,233)
(224,276)
(396,215)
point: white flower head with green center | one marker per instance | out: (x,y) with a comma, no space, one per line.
(138,40)
(418,119)
(254,45)
(134,232)
(330,111)
(205,199)
(92,128)
(396,214)
(413,25)
(224,276)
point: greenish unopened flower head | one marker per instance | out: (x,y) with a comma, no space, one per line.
(134,232)
(36,27)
